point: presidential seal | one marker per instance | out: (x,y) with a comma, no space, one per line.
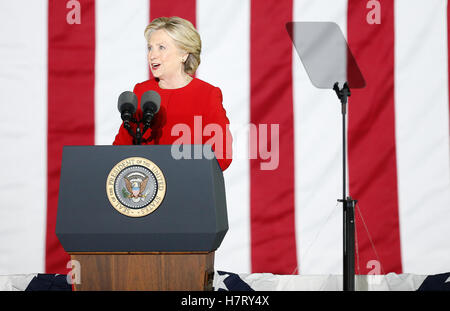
(135,187)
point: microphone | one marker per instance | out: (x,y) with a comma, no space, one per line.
(127,105)
(150,103)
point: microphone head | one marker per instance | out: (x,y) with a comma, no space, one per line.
(151,100)
(127,101)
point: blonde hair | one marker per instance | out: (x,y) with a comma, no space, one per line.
(185,36)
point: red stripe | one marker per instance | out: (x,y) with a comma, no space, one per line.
(371,138)
(71,71)
(182,8)
(273,247)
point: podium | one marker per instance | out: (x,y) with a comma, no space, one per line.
(138,218)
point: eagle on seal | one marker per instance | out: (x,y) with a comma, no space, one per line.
(135,189)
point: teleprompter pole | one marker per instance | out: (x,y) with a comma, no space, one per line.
(347,202)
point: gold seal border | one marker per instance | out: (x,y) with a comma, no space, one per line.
(160,192)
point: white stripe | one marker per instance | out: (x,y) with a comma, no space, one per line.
(225,34)
(23,136)
(318,156)
(120,59)
(422,135)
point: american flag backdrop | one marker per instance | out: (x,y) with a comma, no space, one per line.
(60,79)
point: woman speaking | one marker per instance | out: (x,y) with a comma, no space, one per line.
(174,48)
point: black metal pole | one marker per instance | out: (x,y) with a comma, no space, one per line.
(344,148)
(348,221)
(347,202)
(349,255)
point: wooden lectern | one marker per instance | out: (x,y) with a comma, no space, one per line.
(140,218)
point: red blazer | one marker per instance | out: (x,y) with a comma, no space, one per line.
(189,115)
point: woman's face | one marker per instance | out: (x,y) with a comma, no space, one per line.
(164,57)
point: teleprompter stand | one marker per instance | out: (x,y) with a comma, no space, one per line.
(328,61)
(347,202)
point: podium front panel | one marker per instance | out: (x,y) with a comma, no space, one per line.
(191,217)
